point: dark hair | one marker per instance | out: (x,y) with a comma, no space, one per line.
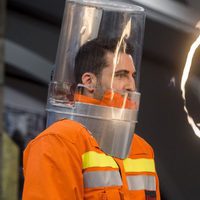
(91,57)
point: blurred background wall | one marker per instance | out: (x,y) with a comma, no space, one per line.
(32,32)
(2,23)
(9,152)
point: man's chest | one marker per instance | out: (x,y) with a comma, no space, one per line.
(111,179)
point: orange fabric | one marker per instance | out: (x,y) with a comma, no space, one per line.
(109,99)
(53,165)
(86,99)
(117,100)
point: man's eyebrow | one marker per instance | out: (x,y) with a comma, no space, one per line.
(125,71)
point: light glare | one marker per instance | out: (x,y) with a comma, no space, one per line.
(185,75)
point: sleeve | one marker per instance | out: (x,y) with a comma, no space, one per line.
(52,170)
(157,188)
(157,181)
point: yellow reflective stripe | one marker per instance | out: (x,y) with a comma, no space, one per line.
(94,159)
(139,165)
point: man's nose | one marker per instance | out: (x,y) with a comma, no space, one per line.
(130,85)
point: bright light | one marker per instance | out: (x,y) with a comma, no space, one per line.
(185,75)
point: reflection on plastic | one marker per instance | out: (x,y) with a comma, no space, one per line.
(125,35)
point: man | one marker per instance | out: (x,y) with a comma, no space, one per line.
(66,162)
(97,57)
(97,73)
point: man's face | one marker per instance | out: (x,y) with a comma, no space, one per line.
(119,77)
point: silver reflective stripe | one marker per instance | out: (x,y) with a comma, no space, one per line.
(141,182)
(101,179)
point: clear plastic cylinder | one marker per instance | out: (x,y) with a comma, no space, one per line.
(97,69)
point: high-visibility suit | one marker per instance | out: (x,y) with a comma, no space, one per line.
(65,162)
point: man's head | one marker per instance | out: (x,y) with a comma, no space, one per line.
(95,67)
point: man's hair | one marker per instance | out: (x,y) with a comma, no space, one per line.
(91,57)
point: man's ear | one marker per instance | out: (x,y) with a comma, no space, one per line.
(89,80)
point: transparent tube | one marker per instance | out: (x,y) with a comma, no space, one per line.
(97,70)
(87,20)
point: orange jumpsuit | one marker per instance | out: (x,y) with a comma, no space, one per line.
(65,163)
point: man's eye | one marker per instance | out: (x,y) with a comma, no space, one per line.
(134,75)
(121,75)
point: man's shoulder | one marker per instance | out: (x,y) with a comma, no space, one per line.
(68,130)
(58,143)
(63,134)
(141,141)
(141,147)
